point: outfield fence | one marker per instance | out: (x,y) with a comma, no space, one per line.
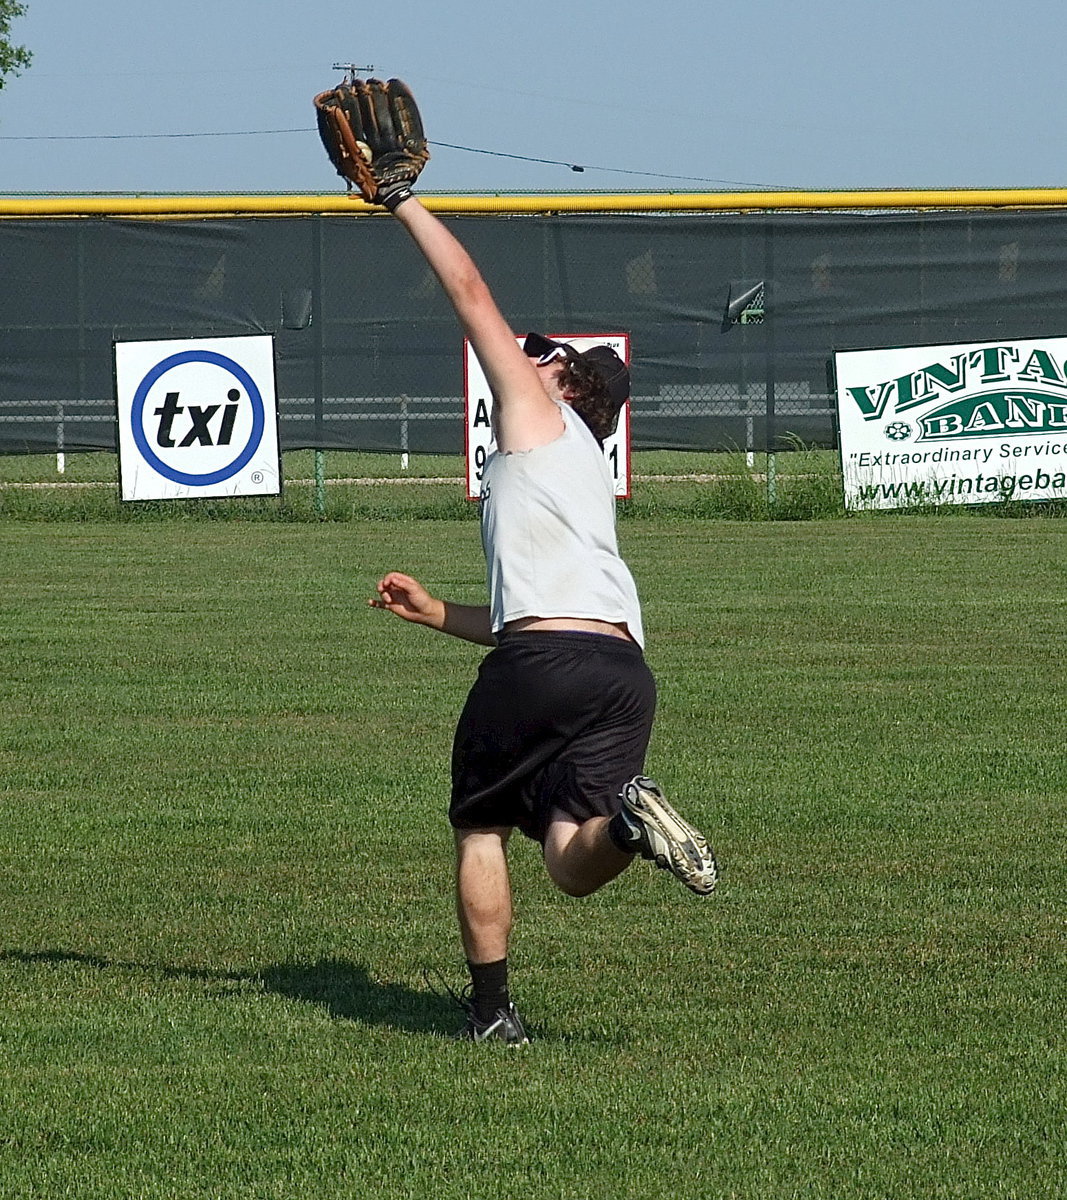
(734,304)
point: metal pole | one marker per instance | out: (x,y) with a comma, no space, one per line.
(61,419)
(318,323)
(769,315)
(403,433)
(320,483)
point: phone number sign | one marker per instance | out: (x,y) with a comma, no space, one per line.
(478,403)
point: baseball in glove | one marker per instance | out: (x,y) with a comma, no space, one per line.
(372,132)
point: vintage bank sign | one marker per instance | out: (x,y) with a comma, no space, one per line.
(965,424)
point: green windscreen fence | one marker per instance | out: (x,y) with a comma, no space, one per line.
(369,355)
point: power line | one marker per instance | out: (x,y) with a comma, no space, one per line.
(551,162)
(126,137)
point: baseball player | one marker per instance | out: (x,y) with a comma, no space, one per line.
(553,735)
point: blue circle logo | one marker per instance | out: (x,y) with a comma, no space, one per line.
(244,456)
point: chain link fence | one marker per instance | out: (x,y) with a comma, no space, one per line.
(733,318)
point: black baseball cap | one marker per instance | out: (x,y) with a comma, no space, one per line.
(604,361)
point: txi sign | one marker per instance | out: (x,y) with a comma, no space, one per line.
(197,418)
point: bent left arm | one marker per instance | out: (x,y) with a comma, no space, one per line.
(406,598)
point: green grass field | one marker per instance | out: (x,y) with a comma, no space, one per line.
(225,866)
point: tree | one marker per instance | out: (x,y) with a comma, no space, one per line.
(13,59)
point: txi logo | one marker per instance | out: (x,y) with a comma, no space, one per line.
(197,417)
(200,401)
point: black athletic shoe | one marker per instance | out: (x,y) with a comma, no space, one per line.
(505,1025)
(660,835)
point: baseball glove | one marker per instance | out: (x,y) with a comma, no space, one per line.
(372,132)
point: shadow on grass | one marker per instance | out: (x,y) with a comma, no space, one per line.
(344,989)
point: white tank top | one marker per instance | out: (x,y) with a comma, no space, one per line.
(548,530)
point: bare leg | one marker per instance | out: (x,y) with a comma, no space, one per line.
(483,893)
(580,858)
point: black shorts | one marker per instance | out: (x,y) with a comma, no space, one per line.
(554,720)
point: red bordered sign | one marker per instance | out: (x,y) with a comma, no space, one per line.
(478,412)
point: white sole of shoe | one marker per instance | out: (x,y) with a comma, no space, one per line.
(685,853)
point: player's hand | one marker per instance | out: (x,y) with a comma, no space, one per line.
(407,598)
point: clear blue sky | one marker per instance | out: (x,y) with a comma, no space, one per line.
(779,93)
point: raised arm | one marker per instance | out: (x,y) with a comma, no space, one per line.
(525,416)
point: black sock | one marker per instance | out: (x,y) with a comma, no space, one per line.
(621,833)
(490,987)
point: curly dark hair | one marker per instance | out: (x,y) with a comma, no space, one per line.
(587,394)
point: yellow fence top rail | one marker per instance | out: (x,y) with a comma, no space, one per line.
(523,204)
